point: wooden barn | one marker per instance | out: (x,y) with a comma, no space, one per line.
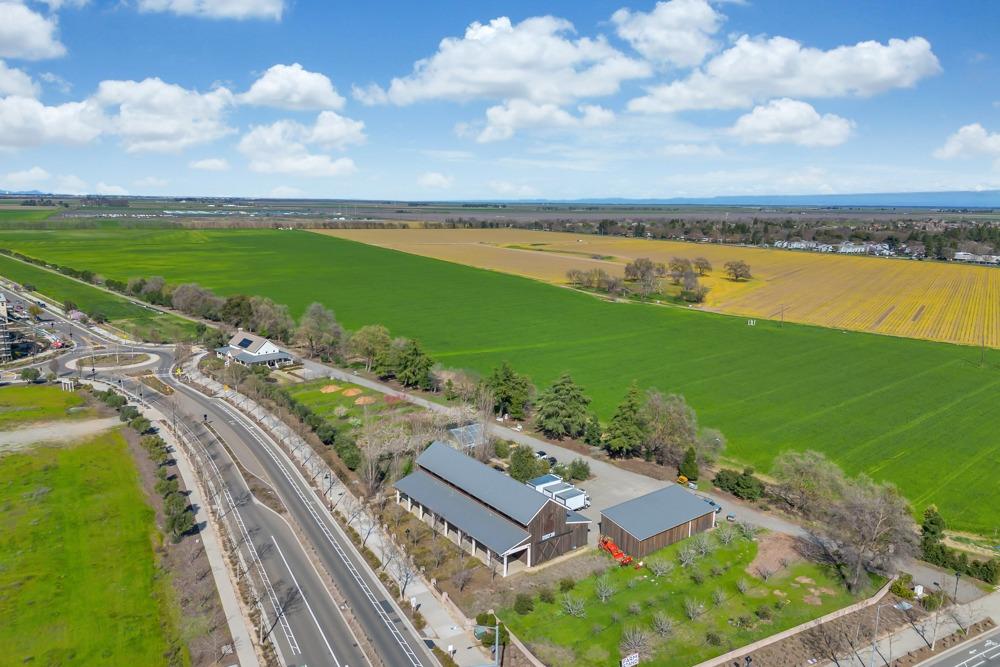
(648,523)
(484,511)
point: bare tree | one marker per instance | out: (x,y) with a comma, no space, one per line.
(573,606)
(403,571)
(368,341)
(718,597)
(662,624)
(603,588)
(660,567)
(670,426)
(702,265)
(461,578)
(319,330)
(738,269)
(725,534)
(693,609)
(635,640)
(687,556)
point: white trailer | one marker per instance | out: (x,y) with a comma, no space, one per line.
(573,498)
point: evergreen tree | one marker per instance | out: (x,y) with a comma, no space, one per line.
(414,366)
(524,465)
(561,410)
(689,466)
(625,432)
(592,432)
(511,391)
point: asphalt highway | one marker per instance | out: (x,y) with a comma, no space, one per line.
(306,621)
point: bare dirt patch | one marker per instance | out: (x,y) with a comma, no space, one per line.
(775,552)
(353,391)
(330,389)
(364,400)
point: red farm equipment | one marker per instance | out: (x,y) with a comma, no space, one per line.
(608,545)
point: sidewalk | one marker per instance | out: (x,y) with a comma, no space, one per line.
(922,634)
(445,626)
(243,645)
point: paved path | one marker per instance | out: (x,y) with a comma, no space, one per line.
(55,432)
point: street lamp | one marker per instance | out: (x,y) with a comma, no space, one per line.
(937,613)
(878,610)
(496,638)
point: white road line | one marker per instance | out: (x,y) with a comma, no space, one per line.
(302,593)
(309,506)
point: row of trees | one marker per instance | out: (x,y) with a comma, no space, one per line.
(934,550)
(644,277)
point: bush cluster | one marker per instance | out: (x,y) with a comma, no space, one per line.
(742,485)
(179,518)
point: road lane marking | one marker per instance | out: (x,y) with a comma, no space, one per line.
(302,593)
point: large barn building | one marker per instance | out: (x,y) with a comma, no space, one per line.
(494,517)
(648,523)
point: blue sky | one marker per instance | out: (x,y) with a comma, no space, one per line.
(492,100)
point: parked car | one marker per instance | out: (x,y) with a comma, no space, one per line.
(551,459)
(730,517)
(693,485)
(541,454)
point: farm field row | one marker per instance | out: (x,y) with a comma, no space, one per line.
(955,303)
(124,314)
(911,411)
(80,582)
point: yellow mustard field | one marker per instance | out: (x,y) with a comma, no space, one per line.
(956,303)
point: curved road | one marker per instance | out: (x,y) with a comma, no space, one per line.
(308,624)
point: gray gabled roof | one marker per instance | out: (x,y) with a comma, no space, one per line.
(507,496)
(658,511)
(547,478)
(575,517)
(262,358)
(244,340)
(499,534)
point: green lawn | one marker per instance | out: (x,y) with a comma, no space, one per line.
(139,321)
(79,582)
(915,412)
(326,404)
(36,403)
(595,638)
(26,215)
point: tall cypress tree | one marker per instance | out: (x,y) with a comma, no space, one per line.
(561,410)
(625,432)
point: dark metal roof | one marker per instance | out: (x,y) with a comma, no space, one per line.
(472,518)
(658,511)
(504,494)
(248,358)
(575,517)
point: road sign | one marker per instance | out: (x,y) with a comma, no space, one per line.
(630,660)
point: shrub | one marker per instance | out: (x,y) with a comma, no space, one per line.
(128,413)
(716,571)
(635,609)
(140,425)
(634,640)
(742,485)
(566,585)
(764,613)
(663,625)
(743,622)
(523,604)
(579,469)
(546,595)
(718,597)
(573,606)
(30,374)
(742,585)
(901,586)
(713,639)
(697,578)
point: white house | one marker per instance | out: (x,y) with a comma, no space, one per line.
(253,350)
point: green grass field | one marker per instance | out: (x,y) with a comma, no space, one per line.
(124,314)
(78,577)
(27,215)
(595,638)
(326,404)
(915,412)
(36,403)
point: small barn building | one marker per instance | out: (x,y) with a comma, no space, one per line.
(487,513)
(648,523)
(253,350)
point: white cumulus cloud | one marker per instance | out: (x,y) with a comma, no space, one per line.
(210,164)
(293,87)
(218,9)
(791,121)
(107,189)
(27,34)
(26,122)
(332,130)
(534,60)
(971,141)
(282,148)
(504,119)
(16,82)
(678,32)
(435,180)
(508,189)
(19,180)
(755,69)
(163,117)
